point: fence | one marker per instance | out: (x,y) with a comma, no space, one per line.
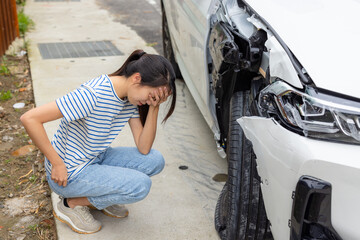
(9,26)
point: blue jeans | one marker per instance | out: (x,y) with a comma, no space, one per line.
(119,175)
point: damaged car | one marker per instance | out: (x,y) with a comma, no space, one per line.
(275,82)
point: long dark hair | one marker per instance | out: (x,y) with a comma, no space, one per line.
(155,71)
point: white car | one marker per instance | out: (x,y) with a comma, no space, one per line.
(276,83)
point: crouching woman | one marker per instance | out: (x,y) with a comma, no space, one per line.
(81,166)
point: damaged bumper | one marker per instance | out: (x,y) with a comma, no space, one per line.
(284,158)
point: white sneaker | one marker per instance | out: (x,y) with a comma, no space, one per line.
(116,211)
(78,218)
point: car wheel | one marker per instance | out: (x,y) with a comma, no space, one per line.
(240,211)
(168,50)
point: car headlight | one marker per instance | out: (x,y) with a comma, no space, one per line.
(316,114)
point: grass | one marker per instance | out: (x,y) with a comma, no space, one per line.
(25,23)
(4,96)
(7,161)
(33,178)
(33,227)
(21,2)
(4,70)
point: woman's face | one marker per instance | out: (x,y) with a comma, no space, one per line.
(139,94)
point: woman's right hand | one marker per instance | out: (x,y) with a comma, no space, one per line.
(59,174)
(158,96)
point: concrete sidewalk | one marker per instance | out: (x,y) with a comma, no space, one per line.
(181,203)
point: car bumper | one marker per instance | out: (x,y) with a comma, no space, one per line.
(283,157)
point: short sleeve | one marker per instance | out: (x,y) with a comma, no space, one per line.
(136,113)
(77,104)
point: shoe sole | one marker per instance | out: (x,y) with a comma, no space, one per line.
(109,214)
(71,225)
(114,216)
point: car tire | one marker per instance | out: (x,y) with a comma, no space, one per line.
(167,46)
(240,211)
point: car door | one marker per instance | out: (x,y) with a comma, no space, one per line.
(192,37)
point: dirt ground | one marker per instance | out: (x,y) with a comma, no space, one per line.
(25,204)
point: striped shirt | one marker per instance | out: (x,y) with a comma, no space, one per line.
(93,116)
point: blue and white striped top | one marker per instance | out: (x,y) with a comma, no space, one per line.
(93,116)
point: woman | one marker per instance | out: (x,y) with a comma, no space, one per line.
(80,165)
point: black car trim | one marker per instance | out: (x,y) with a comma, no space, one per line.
(311,211)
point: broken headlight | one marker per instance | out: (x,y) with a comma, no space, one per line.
(316,114)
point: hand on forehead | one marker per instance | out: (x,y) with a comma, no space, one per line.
(158,96)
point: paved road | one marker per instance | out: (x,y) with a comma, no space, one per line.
(143,16)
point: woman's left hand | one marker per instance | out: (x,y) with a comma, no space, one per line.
(158,96)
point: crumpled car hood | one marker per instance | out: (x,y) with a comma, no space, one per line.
(324,36)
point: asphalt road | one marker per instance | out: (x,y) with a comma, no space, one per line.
(143,16)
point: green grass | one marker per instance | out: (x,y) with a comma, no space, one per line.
(4,70)
(33,227)
(25,23)
(4,96)
(21,2)
(33,178)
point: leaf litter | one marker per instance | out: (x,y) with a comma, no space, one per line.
(25,203)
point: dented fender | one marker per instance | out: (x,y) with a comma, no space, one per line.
(283,157)
(276,174)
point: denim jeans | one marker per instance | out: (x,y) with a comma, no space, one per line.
(119,175)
